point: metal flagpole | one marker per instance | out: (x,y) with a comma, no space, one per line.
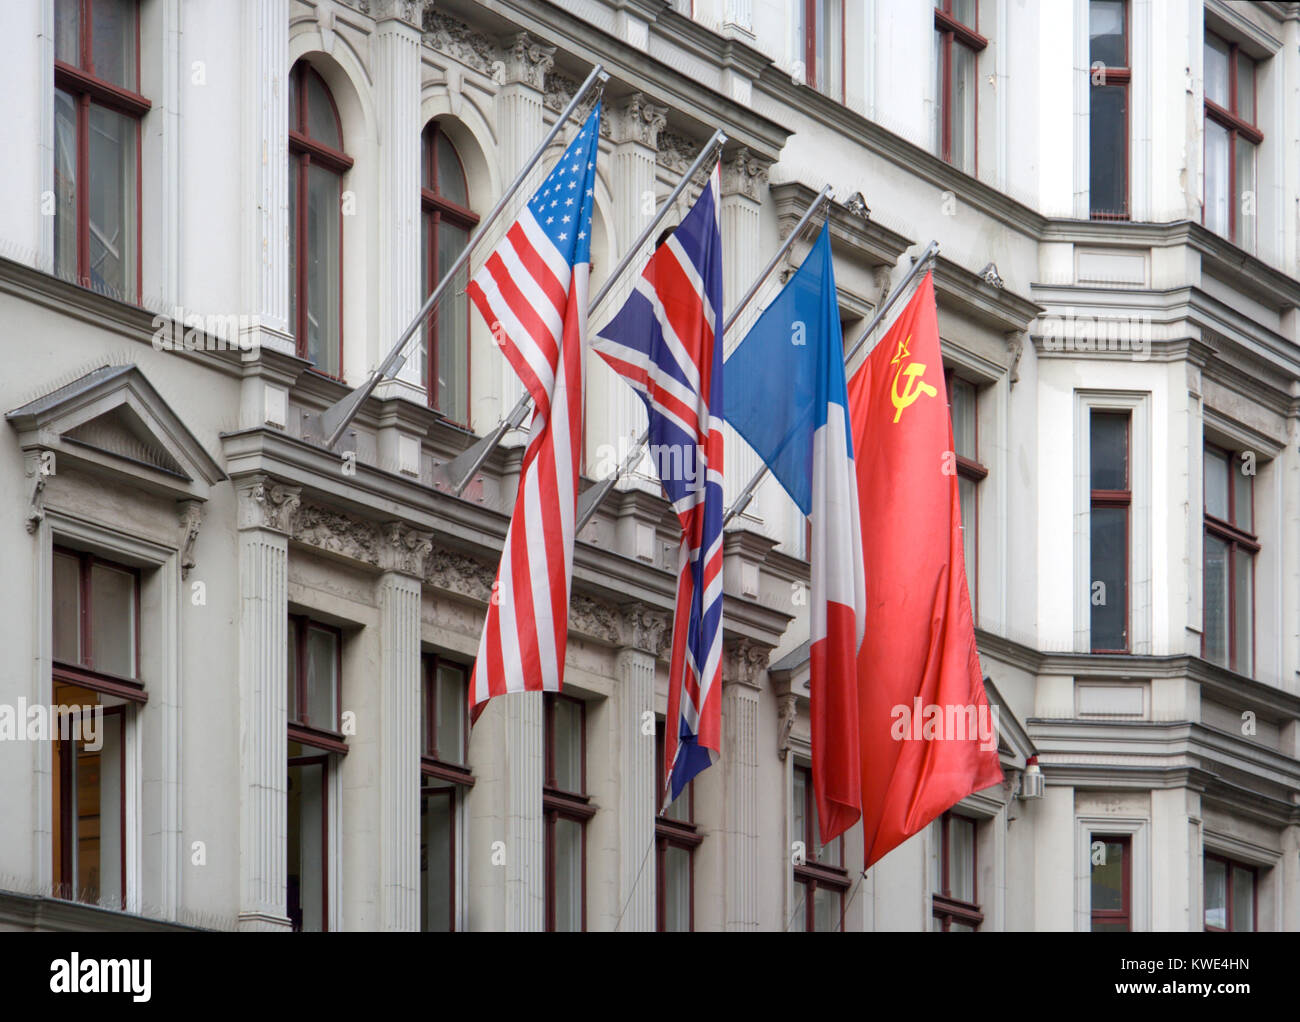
(458,472)
(591,498)
(335,419)
(927,256)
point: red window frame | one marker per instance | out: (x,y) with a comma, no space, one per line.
(301,728)
(84,672)
(1237,126)
(303,152)
(1125,913)
(972,469)
(1229,866)
(86,89)
(811,873)
(1117,77)
(672,833)
(558,804)
(945,907)
(1117,499)
(1240,543)
(810,46)
(434,209)
(954,32)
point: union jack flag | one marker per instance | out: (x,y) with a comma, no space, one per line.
(532,291)
(666,342)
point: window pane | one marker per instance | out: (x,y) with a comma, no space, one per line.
(827,909)
(1216,893)
(1243,899)
(964,11)
(295,165)
(1243,582)
(67,31)
(677,890)
(453,329)
(967,495)
(963,419)
(323,269)
(451,179)
(940,100)
(963,108)
(1108,150)
(112,202)
(436,857)
(67,609)
(1108,451)
(961,858)
(112,620)
(1217,180)
(322,125)
(322,676)
(306,846)
(1216,483)
(1243,511)
(113,43)
(1106,33)
(452,700)
(829,855)
(1110,568)
(799,916)
(568,876)
(936,858)
(292,673)
(1246,198)
(97,816)
(1216,600)
(1245,88)
(65,185)
(420,358)
(799,828)
(1108,878)
(1216,71)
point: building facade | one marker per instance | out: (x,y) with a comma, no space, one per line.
(217,219)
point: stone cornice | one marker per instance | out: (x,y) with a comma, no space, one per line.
(636,119)
(865,239)
(956,286)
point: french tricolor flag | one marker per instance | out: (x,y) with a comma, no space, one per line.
(785,394)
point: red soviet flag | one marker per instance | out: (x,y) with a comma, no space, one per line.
(926,734)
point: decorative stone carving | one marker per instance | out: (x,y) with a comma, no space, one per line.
(744,661)
(638,120)
(560,89)
(526,60)
(991,276)
(857,206)
(591,617)
(265,503)
(1016,346)
(676,153)
(190,516)
(459,573)
(405,549)
(337,533)
(409,11)
(642,627)
(38,467)
(458,41)
(743,174)
(325,22)
(789,713)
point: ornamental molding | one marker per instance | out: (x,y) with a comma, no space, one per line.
(460,574)
(405,549)
(744,174)
(190,517)
(337,533)
(636,119)
(1016,348)
(643,628)
(676,152)
(266,503)
(409,11)
(560,90)
(744,661)
(594,618)
(526,61)
(457,40)
(789,713)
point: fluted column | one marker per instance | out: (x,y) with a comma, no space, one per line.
(634,672)
(522,126)
(744,180)
(266,510)
(744,664)
(525,863)
(396,52)
(398,592)
(634,130)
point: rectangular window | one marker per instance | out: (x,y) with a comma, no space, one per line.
(1229,895)
(819,875)
(819,44)
(98,110)
(962,403)
(1109,76)
(676,838)
(566,809)
(957,44)
(955,904)
(315,676)
(1228,638)
(1111,884)
(1231,141)
(1111,503)
(445,778)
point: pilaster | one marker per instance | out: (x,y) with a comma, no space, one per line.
(744,664)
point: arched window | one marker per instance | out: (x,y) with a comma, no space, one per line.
(316,167)
(446,222)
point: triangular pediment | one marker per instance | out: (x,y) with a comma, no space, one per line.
(114,420)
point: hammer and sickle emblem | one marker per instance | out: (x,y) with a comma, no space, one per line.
(912,389)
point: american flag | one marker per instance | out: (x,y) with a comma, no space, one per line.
(532,291)
(666,342)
